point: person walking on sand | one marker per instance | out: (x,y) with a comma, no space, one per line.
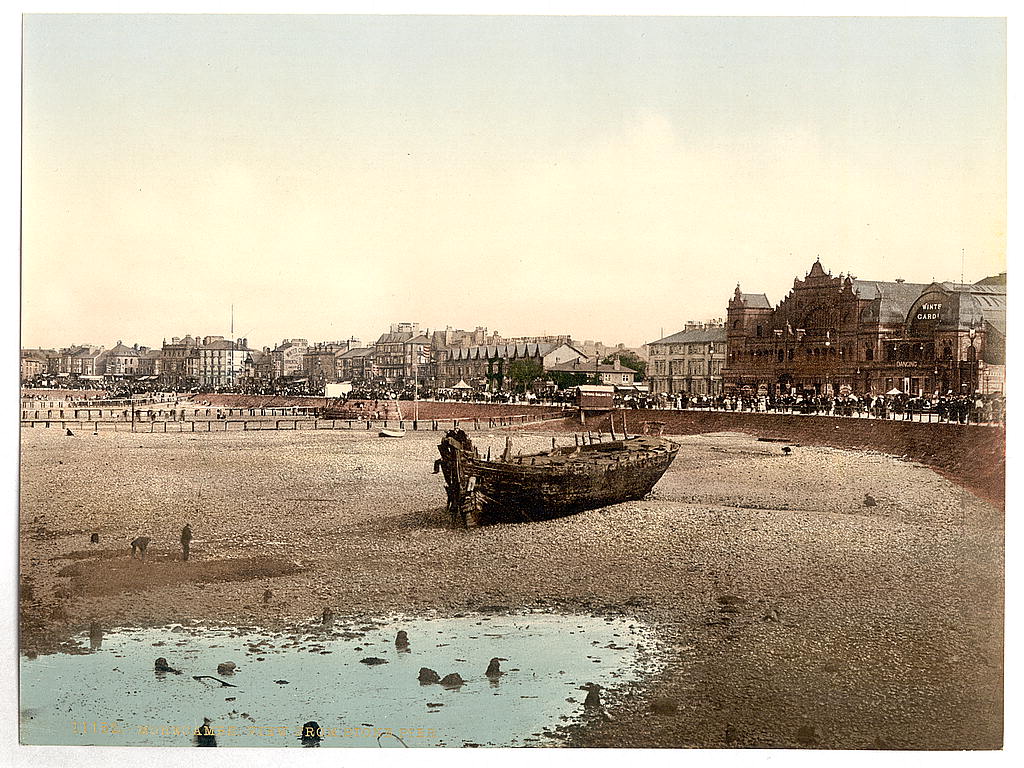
(186,539)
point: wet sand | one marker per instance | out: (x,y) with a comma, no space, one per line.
(790,614)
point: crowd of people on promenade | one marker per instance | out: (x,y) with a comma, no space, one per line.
(384,392)
(963,409)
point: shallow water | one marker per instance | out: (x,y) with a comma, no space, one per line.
(111,695)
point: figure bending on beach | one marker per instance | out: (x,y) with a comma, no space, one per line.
(139,546)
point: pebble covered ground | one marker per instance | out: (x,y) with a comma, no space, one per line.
(791,611)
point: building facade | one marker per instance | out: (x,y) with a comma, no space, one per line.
(613,374)
(39,362)
(288,358)
(150,363)
(320,365)
(834,334)
(356,365)
(456,337)
(179,362)
(81,360)
(123,361)
(34,363)
(689,362)
(403,354)
(258,370)
(487,367)
(222,362)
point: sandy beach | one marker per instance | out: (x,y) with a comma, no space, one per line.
(789,612)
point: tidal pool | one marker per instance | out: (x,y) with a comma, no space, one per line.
(111,695)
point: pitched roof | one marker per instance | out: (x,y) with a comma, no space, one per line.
(492,351)
(756,300)
(395,338)
(693,336)
(999,279)
(582,366)
(86,352)
(291,344)
(220,344)
(573,347)
(357,352)
(120,350)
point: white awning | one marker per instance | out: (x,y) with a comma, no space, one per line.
(596,389)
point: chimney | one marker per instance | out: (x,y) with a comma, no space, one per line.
(618,363)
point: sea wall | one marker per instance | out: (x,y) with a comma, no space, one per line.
(969,454)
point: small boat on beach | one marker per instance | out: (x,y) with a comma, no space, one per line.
(550,484)
(391,433)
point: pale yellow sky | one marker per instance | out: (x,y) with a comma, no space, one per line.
(605,177)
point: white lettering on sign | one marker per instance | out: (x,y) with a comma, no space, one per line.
(929,311)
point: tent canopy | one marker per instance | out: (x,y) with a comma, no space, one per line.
(462,385)
(894,391)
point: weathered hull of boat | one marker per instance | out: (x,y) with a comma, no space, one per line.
(523,493)
(551,485)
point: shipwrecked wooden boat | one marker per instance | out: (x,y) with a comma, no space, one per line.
(555,483)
